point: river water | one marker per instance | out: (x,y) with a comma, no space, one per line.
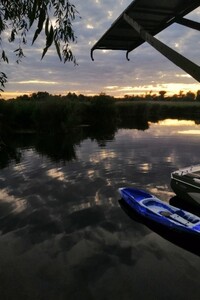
(64,234)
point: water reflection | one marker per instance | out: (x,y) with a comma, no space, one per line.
(186,241)
(64,147)
(194,208)
(63,234)
(56,146)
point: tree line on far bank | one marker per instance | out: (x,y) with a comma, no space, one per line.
(160,96)
(43,112)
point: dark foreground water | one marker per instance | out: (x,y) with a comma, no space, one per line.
(64,234)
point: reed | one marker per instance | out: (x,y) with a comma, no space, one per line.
(54,113)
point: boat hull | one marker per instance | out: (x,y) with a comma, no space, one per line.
(186,184)
(186,192)
(188,242)
(152,208)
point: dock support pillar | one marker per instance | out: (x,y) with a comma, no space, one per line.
(189,23)
(178,59)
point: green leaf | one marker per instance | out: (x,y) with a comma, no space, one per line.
(44,52)
(41,20)
(12,36)
(33,13)
(4,57)
(3,80)
(35,36)
(47,26)
(49,41)
(58,49)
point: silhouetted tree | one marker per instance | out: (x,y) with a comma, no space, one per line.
(23,98)
(198,95)
(40,96)
(181,94)
(190,96)
(162,94)
(72,96)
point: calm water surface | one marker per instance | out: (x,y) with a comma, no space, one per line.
(64,234)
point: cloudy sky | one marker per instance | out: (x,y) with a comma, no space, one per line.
(110,72)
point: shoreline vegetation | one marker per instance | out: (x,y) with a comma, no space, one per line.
(45,113)
(56,125)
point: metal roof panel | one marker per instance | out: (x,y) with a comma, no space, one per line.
(154,16)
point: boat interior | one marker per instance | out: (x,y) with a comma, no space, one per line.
(193,171)
(177,215)
(156,206)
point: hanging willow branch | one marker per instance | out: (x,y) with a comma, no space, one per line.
(54,18)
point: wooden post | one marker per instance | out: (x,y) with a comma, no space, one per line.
(178,59)
(189,23)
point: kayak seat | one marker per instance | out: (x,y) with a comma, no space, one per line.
(178,216)
(179,219)
(180,213)
(189,217)
(165,213)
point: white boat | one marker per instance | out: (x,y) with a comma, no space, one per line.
(186,183)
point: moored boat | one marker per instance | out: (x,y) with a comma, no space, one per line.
(152,208)
(186,183)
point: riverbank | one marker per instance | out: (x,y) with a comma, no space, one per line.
(59,114)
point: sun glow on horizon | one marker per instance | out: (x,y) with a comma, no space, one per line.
(112,90)
(139,90)
(190,132)
(176,122)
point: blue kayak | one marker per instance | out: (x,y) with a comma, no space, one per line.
(150,207)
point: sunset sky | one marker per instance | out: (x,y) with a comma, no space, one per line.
(110,72)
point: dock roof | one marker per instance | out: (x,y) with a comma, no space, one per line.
(153,15)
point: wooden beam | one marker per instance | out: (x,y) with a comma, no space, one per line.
(178,59)
(189,23)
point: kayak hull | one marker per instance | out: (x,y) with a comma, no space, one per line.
(152,208)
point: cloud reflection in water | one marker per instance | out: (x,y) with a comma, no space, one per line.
(63,234)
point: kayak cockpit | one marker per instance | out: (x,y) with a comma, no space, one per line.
(176,215)
(157,206)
